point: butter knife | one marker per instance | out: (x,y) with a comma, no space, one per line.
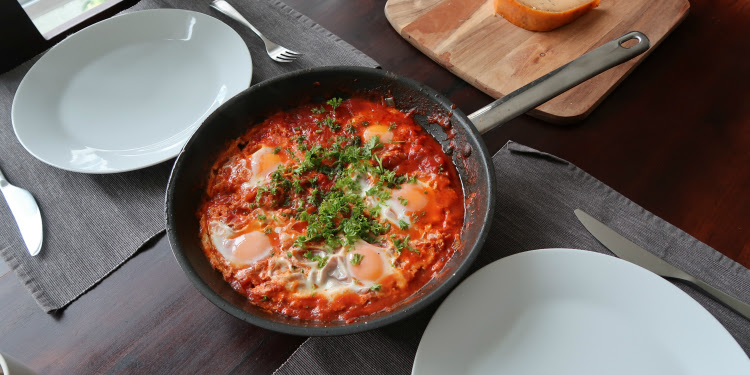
(26,212)
(627,250)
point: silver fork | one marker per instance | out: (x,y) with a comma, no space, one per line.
(275,51)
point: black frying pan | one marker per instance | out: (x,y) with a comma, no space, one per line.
(466,148)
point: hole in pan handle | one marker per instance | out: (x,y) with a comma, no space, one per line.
(554,83)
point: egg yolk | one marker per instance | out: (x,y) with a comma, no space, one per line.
(264,162)
(413,195)
(370,267)
(381,131)
(251,247)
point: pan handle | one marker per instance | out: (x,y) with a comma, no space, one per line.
(558,81)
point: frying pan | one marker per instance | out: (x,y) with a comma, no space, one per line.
(460,139)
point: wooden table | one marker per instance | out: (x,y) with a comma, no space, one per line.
(674,138)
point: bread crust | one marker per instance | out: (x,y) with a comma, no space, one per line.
(537,20)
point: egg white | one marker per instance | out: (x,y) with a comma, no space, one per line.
(301,275)
(226,240)
(336,277)
(260,167)
(390,209)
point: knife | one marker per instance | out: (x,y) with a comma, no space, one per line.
(627,250)
(26,212)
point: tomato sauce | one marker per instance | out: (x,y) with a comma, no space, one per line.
(281,281)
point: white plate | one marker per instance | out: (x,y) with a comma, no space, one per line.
(128,92)
(563,311)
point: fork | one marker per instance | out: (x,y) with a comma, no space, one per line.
(275,51)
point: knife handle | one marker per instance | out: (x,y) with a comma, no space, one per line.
(740,307)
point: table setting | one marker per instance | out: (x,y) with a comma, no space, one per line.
(603,232)
(142,190)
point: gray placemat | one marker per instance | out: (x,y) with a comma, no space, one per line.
(537,194)
(93,223)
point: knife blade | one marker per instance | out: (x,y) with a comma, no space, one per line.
(26,213)
(627,250)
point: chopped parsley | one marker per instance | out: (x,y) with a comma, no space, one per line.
(317,258)
(297,185)
(372,144)
(331,123)
(334,102)
(357,259)
(323,187)
(403,225)
(340,214)
(376,287)
(402,243)
(403,201)
(264,298)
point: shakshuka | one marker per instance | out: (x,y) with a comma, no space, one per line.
(332,211)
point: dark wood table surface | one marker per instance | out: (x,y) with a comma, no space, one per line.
(674,137)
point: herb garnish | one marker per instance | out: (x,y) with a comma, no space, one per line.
(357,259)
(317,258)
(324,189)
(403,225)
(402,243)
(334,102)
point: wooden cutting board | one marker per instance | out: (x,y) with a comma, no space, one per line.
(468,38)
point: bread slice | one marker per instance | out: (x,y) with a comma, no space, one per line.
(543,15)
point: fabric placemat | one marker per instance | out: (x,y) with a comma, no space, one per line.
(93,223)
(537,194)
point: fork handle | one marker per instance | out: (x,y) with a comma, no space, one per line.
(740,307)
(224,7)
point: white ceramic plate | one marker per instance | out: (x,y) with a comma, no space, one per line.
(563,311)
(128,92)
